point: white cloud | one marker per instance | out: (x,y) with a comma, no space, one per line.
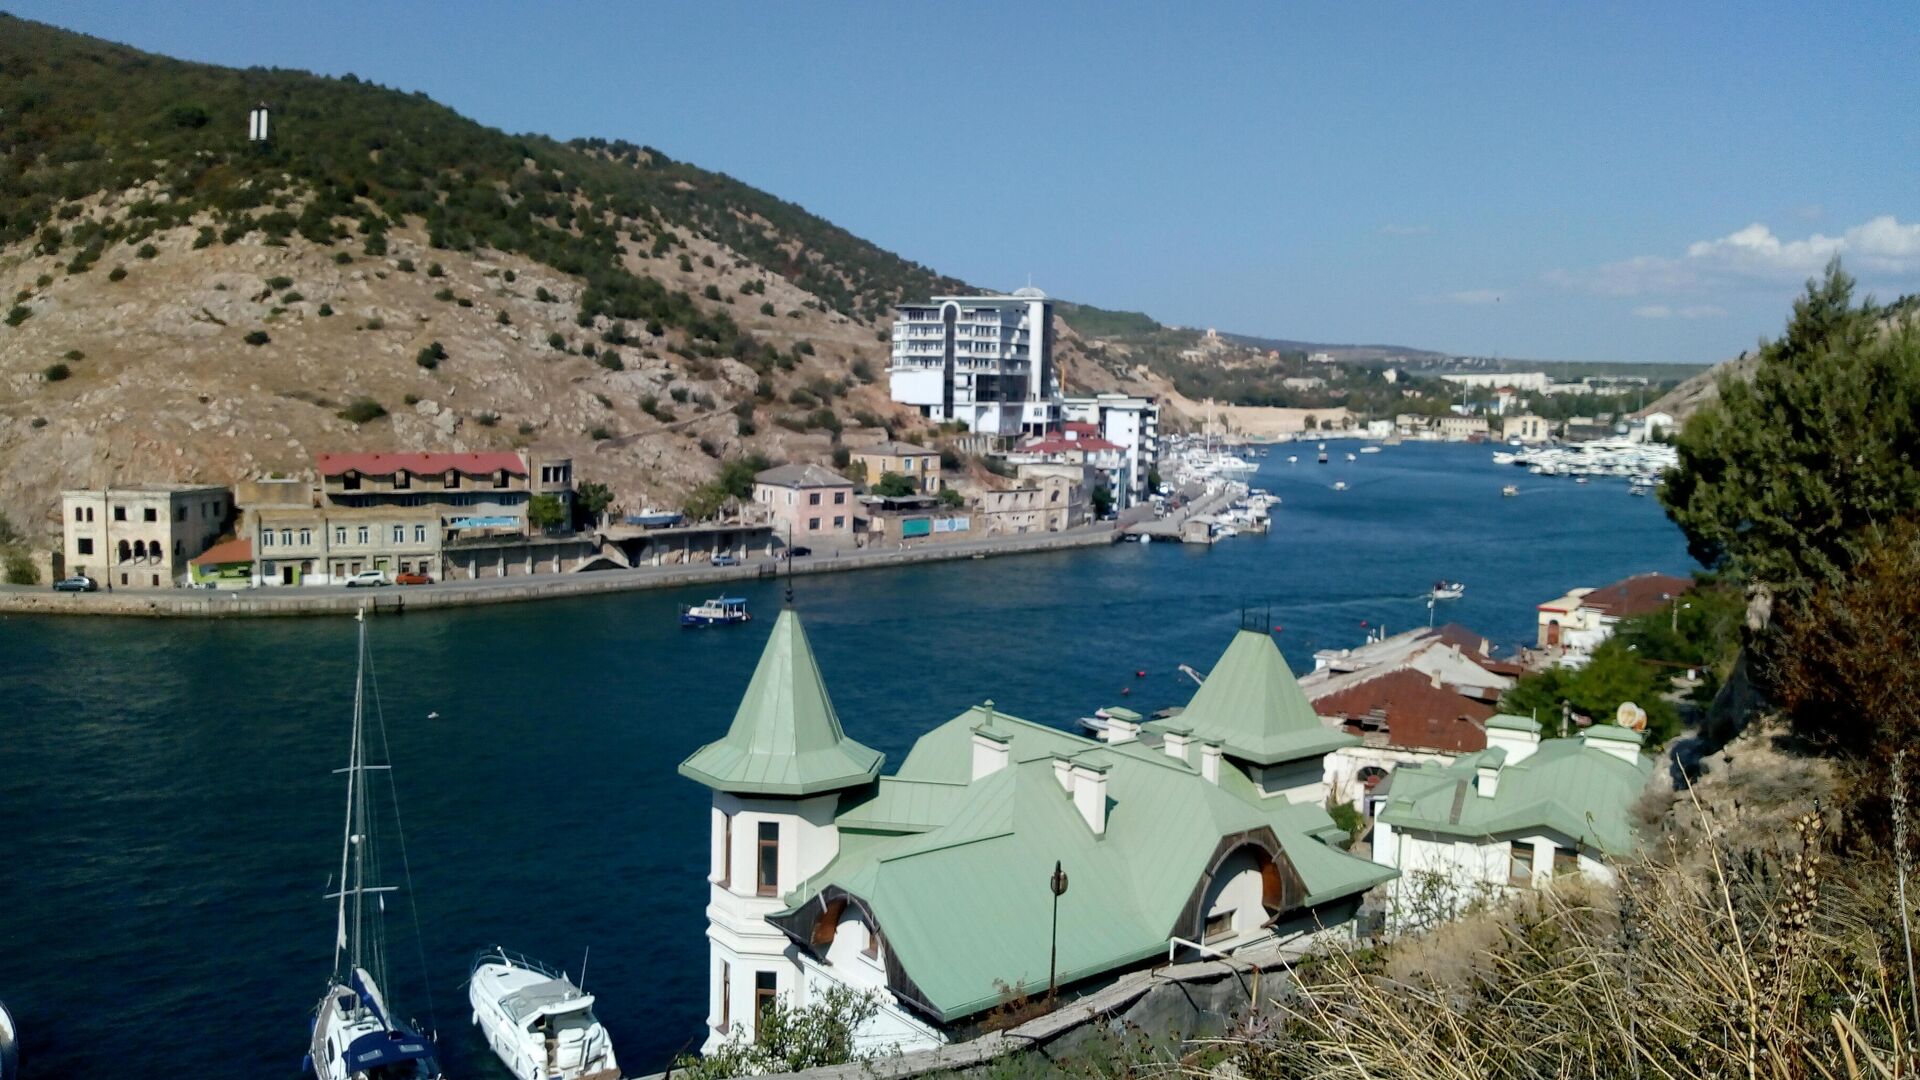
(1882,247)
(1405,230)
(1691,311)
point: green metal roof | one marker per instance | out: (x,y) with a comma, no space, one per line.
(1582,792)
(1510,722)
(785,738)
(1251,705)
(964,905)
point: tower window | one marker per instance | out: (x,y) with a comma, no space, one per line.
(768,882)
(766,987)
(726,851)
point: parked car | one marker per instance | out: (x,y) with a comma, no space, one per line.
(76,583)
(725,560)
(367,579)
(801,552)
(412,579)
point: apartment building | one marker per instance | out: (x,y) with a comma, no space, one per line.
(140,537)
(1131,422)
(916,463)
(984,361)
(808,505)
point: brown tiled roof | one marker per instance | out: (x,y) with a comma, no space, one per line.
(1416,712)
(227,551)
(1636,595)
(377,464)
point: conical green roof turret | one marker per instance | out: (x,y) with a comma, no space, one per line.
(785,738)
(1253,707)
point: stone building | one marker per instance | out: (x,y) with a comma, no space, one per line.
(140,537)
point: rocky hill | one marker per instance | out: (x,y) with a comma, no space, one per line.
(185,306)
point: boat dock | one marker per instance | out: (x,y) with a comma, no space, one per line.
(1192,523)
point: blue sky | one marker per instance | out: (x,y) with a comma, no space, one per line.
(1635,181)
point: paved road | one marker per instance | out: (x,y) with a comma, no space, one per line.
(334,599)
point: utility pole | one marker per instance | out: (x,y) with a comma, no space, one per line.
(1058,883)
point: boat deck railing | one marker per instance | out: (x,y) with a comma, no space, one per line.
(520,960)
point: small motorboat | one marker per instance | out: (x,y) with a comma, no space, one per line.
(1579,479)
(537,1022)
(1293,459)
(719,611)
(1447,590)
(1510,491)
(9,1046)
(1369,449)
(1339,485)
(1323,457)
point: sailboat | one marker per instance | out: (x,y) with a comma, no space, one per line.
(355,1034)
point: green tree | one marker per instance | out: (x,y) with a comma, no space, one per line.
(788,1038)
(1615,674)
(590,500)
(1780,478)
(546,511)
(952,499)
(1102,501)
(893,485)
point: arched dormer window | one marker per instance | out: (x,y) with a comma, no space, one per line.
(453,479)
(828,924)
(350,481)
(402,480)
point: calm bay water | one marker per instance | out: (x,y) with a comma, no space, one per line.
(170,818)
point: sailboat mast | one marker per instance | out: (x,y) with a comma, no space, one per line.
(349,855)
(358,772)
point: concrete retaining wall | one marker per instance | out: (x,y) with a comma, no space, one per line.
(299,600)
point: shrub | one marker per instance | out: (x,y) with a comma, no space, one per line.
(766,308)
(599,433)
(363,411)
(555,341)
(526,428)
(118,273)
(56,372)
(375,246)
(801,397)
(256,337)
(711,292)
(275,284)
(434,270)
(503,318)
(464,302)
(430,355)
(486,418)
(341,258)
(325,311)
(611,361)
(804,348)
(411,399)
(20,569)
(744,426)
(686,265)
(74,354)
(542,295)
(679,395)
(443,295)
(291,297)
(204,239)
(146,251)
(20,313)
(510,276)
(405,266)
(862,370)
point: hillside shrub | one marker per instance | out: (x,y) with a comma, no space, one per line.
(118,273)
(610,359)
(362,411)
(256,338)
(56,372)
(20,313)
(146,251)
(275,284)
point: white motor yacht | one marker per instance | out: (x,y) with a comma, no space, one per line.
(9,1046)
(537,1021)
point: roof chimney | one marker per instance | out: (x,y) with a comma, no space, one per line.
(1123,725)
(1175,740)
(1620,742)
(1519,736)
(1090,795)
(992,746)
(1210,762)
(1486,773)
(1434,677)
(1063,772)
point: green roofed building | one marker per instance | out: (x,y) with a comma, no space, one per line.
(1513,816)
(930,885)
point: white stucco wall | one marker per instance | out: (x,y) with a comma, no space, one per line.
(1442,875)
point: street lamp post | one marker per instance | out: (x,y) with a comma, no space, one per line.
(1057,883)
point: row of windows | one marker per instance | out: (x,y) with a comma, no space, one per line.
(403,480)
(84,514)
(1520,863)
(839,498)
(362,534)
(138,550)
(839,522)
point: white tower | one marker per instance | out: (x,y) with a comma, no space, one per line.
(257,123)
(776,777)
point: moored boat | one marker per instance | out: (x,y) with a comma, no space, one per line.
(1447,590)
(1510,490)
(719,611)
(355,1034)
(537,1022)
(9,1045)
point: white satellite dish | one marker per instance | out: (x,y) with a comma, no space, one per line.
(1630,716)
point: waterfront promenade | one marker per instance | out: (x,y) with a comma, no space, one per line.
(339,600)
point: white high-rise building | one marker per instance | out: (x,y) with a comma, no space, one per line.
(986,361)
(1133,423)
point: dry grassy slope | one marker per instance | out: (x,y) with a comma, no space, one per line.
(1697,392)
(168,391)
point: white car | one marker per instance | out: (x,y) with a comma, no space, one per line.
(367,579)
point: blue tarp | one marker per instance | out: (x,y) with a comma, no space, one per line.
(387,1048)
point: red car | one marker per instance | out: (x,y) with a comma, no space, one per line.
(412,579)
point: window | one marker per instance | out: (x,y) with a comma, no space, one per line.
(340,534)
(365,535)
(286,537)
(266,538)
(79,514)
(839,521)
(1565,863)
(766,987)
(813,523)
(89,513)
(768,882)
(909,464)
(453,480)
(1519,863)
(726,996)
(120,514)
(839,498)
(399,534)
(152,513)
(726,851)
(813,498)
(419,534)
(179,513)
(84,545)
(1219,926)
(402,480)
(306,537)
(350,482)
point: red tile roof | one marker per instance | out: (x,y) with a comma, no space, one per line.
(1636,595)
(480,464)
(227,551)
(1081,427)
(1417,713)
